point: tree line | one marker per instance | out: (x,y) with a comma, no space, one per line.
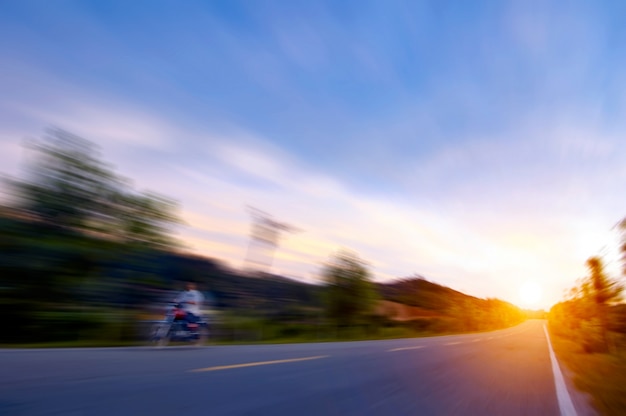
(592,313)
(83,251)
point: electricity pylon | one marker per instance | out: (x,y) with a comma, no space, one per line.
(264,238)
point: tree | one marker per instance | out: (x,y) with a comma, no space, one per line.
(603,293)
(144,219)
(585,312)
(72,189)
(350,294)
(67,183)
(76,233)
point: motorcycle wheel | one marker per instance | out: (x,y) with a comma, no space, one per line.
(161,334)
(203,336)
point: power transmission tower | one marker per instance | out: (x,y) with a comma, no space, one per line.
(264,238)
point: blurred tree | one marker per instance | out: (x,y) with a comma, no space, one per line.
(76,235)
(603,292)
(350,294)
(144,219)
(67,183)
(71,188)
(585,312)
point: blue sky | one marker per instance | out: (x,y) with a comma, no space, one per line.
(476,143)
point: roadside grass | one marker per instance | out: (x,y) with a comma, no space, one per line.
(87,343)
(601,375)
(247,331)
(106,327)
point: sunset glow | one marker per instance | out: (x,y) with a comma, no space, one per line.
(530,294)
(471,163)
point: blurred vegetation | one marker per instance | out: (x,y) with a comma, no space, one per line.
(600,374)
(84,258)
(588,331)
(70,189)
(349,294)
(591,315)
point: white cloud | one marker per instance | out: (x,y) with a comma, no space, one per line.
(121,124)
(41,99)
(11,152)
(480,214)
(458,243)
(478,233)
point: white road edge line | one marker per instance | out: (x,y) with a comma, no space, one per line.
(565,401)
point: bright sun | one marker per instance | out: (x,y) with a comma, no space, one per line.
(530,294)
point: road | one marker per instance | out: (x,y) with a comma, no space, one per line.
(506,372)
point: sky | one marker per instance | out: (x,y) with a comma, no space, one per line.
(478,144)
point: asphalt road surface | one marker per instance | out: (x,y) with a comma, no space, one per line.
(506,372)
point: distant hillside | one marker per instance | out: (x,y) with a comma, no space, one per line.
(417,291)
(431,302)
(405,300)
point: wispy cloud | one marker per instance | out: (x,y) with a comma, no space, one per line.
(474,146)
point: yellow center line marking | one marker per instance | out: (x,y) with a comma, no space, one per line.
(453,343)
(228,367)
(407,348)
(476,340)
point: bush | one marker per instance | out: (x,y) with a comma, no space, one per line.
(590,337)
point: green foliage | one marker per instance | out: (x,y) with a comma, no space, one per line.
(349,294)
(76,234)
(71,188)
(80,245)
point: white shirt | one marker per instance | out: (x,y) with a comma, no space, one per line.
(191,296)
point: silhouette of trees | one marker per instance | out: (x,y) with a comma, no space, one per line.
(75,236)
(69,187)
(350,295)
(586,312)
(79,242)
(602,293)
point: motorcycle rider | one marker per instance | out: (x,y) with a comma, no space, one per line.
(191,302)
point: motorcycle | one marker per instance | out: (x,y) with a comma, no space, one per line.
(176,328)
